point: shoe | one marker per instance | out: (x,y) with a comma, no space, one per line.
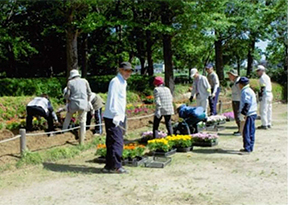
(244,152)
(262,127)
(121,170)
(269,126)
(105,170)
(237,134)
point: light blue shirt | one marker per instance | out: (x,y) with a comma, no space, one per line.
(248,96)
(116,100)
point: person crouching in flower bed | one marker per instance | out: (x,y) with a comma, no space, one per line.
(164,106)
(248,110)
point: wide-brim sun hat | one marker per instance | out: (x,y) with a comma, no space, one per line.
(73,73)
(232,72)
(193,71)
(260,67)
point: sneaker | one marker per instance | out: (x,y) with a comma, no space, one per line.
(105,170)
(269,126)
(121,170)
(244,152)
(262,127)
(237,134)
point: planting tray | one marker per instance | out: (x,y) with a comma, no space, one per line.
(158,162)
(205,144)
(165,154)
(186,149)
(136,162)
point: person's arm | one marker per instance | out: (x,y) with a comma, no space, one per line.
(262,88)
(158,103)
(50,109)
(246,104)
(193,92)
(88,89)
(216,84)
(207,85)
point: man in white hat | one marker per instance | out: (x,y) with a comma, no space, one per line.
(201,88)
(78,95)
(265,98)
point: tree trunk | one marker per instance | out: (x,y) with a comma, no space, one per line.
(167,50)
(149,53)
(142,62)
(238,65)
(84,55)
(286,58)
(71,46)
(250,57)
(219,59)
(12,71)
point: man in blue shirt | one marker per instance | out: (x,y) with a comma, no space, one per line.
(114,116)
(248,110)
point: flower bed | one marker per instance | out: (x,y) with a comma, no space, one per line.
(139,109)
(204,139)
(160,145)
(229,116)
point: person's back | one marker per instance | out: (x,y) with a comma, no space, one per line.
(78,97)
(166,100)
(40,102)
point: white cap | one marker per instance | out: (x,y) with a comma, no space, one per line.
(73,73)
(193,71)
(260,67)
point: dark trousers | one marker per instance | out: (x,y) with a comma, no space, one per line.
(249,133)
(213,102)
(114,144)
(98,120)
(38,111)
(236,111)
(157,122)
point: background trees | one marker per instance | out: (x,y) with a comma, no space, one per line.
(41,37)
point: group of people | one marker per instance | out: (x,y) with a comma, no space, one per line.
(80,99)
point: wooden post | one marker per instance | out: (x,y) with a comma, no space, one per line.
(22,141)
(220,107)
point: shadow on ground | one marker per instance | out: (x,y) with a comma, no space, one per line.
(71,168)
(215,151)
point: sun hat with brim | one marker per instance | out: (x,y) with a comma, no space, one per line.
(260,67)
(243,80)
(193,72)
(126,66)
(74,73)
(158,81)
(232,72)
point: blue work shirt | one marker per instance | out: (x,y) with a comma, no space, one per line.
(116,100)
(248,96)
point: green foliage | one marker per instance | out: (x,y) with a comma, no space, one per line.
(29,158)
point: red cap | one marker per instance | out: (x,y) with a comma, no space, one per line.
(158,81)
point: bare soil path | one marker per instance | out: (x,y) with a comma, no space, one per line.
(217,175)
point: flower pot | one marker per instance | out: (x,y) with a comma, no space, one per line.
(184,149)
(164,154)
(209,143)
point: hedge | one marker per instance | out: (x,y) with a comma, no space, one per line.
(54,86)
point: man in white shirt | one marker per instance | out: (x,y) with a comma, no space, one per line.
(114,116)
(265,98)
(236,97)
(215,89)
(201,88)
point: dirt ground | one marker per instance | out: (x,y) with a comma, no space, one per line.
(217,175)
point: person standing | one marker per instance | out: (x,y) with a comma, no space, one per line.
(114,116)
(265,98)
(97,104)
(236,96)
(201,88)
(164,106)
(78,95)
(248,110)
(215,89)
(40,106)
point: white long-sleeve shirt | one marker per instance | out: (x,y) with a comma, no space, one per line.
(266,82)
(116,100)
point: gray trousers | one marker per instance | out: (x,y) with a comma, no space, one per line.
(236,110)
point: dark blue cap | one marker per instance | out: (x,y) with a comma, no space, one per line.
(209,66)
(243,80)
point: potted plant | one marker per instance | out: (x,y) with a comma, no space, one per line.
(101,151)
(133,154)
(161,147)
(204,139)
(182,143)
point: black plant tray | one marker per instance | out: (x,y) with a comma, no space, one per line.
(100,160)
(158,162)
(184,149)
(164,154)
(135,162)
(205,143)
